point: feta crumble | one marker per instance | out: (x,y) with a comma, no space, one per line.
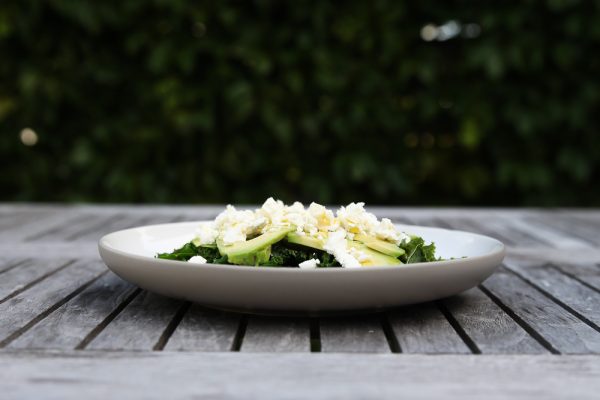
(337,246)
(206,233)
(309,264)
(197,260)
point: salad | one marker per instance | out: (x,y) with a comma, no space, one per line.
(315,237)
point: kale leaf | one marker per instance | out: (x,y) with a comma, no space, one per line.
(190,250)
(285,254)
(417,251)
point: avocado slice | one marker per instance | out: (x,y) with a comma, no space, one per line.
(376,258)
(304,240)
(380,245)
(253,251)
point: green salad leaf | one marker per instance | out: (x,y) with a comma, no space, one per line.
(417,251)
(190,250)
(284,254)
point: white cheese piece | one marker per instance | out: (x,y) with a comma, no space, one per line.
(337,246)
(386,230)
(233,235)
(355,219)
(197,260)
(309,264)
(206,233)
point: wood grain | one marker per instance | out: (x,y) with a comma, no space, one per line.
(27,274)
(203,329)
(68,326)
(53,220)
(272,334)
(30,306)
(562,330)
(424,329)
(356,334)
(121,221)
(566,225)
(572,294)
(64,228)
(8,263)
(586,273)
(491,329)
(140,325)
(178,375)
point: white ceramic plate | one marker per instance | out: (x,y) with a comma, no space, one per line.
(130,254)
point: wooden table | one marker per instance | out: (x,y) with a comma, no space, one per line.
(69,327)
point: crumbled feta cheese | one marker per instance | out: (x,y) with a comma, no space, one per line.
(235,226)
(386,230)
(325,220)
(206,233)
(233,235)
(337,246)
(355,219)
(197,260)
(309,264)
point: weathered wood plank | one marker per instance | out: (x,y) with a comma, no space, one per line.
(271,334)
(424,329)
(179,375)
(470,225)
(556,239)
(567,226)
(69,325)
(12,219)
(27,274)
(10,263)
(203,329)
(91,229)
(561,329)
(586,273)
(509,230)
(550,255)
(140,325)
(358,334)
(50,250)
(121,221)
(491,329)
(62,230)
(53,220)
(160,219)
(567,291)
(30,306)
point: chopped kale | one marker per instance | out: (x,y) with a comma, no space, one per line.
(417,251)
(327,261)
(282,255)
(285,254)
(190,250)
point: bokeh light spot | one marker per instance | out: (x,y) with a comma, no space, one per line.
(429,32)
(28,137)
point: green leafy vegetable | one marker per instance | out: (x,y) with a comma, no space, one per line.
(417,251)
(284,254)
(190,250)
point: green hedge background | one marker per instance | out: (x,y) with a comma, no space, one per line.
(333,101)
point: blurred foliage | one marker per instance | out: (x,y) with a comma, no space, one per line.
(234,101)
